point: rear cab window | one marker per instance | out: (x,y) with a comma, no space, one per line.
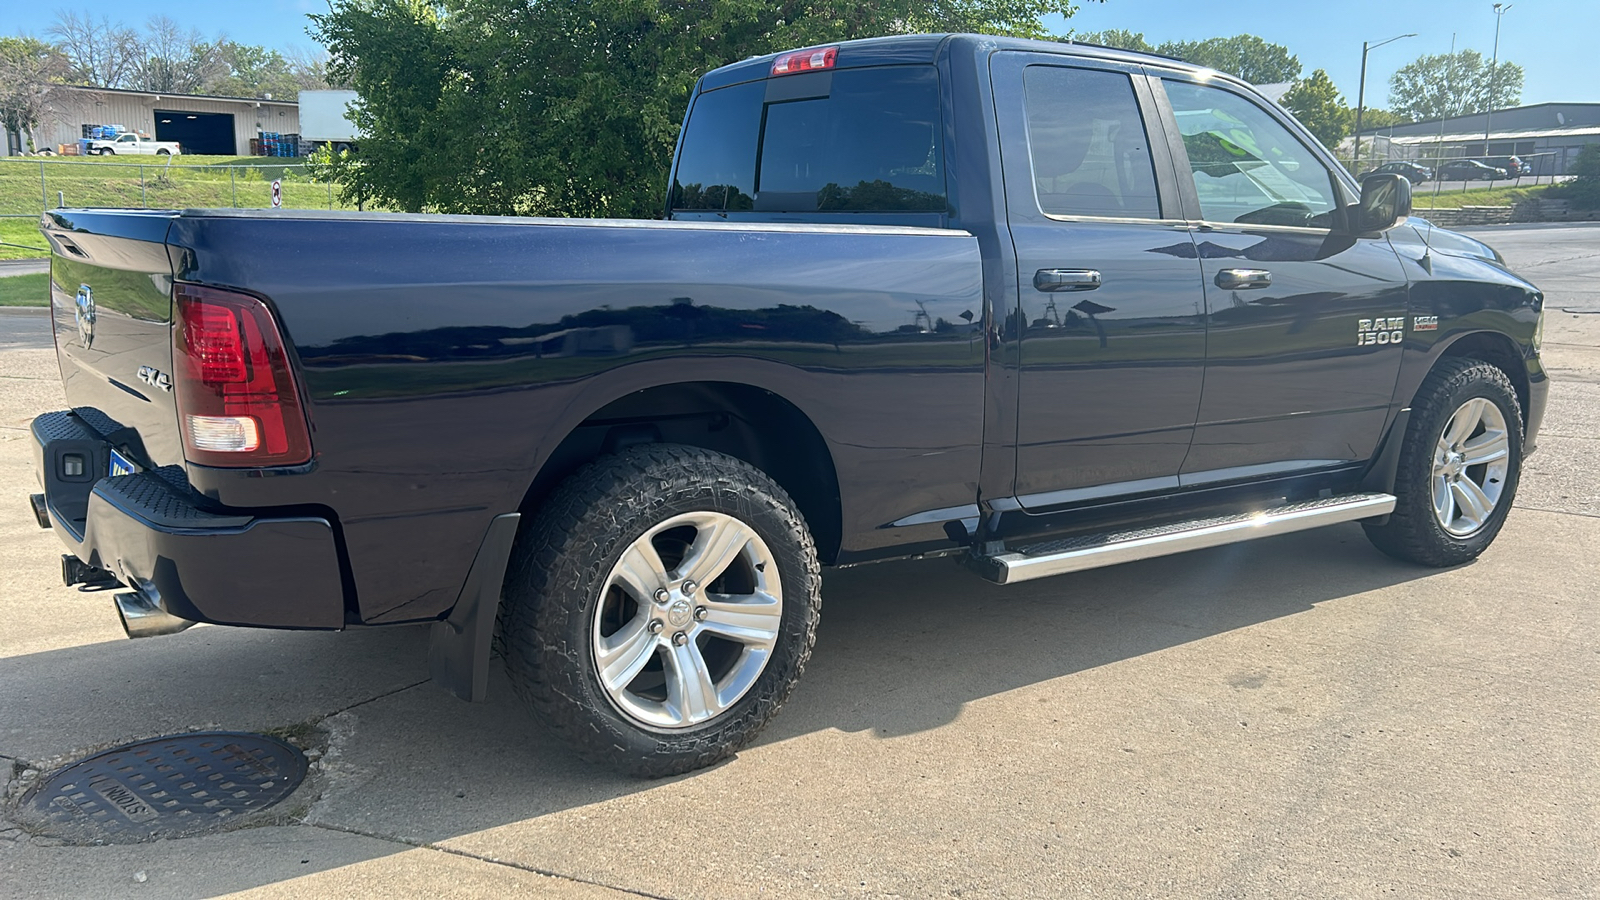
(840,145)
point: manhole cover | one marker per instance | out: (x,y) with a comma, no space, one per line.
(167,787)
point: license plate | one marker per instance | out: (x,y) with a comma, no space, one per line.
(121,465)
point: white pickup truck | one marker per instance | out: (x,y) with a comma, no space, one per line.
(128,142)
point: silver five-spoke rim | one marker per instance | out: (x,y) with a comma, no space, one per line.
(687,620)
(1469,467)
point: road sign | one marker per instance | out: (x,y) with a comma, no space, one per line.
(277,194)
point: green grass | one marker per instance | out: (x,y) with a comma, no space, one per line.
(25,290)
(135,182)
(22,231)
(1424,198)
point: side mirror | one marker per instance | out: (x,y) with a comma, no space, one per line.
(1385,202)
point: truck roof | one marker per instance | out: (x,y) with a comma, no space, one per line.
(903,49)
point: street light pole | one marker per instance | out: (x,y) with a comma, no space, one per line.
(1361,94)
(1500,9)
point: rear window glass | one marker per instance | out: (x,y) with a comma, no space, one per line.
(871,144)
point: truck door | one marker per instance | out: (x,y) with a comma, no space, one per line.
(1111,315)
(1305,318)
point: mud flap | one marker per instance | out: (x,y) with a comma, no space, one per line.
(459,648)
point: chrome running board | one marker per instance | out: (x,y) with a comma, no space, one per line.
(1108,549)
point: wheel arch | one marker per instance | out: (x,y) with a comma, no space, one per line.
(1496,349)
(744,420)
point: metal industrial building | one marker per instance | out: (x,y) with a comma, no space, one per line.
(221,126)
(1547,136)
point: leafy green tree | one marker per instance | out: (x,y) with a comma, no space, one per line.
(1318,105)
(571,107)
(1380,118)
(253,71)
(1439,86)
(1583,191)
(1244,55)
(30,71)
(1117,38)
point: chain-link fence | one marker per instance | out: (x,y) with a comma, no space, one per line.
(28,186)
(1433,176)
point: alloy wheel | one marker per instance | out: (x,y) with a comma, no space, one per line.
(687,620)
(1470,464)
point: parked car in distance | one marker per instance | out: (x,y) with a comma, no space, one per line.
(1513,165)
(1414,173)
(128,142)
(1469,170)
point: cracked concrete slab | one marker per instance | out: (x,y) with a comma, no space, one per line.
(1188,726)
(263,863)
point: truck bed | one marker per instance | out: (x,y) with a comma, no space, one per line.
(444,358)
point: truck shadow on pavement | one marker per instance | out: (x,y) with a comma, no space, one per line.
(903,648)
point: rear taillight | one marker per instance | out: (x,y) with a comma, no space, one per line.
(237,403)
(805,60)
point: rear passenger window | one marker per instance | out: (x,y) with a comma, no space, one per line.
(1089,150)
(868,140)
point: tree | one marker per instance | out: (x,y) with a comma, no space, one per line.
(573,107)
(173,61)
(253,71)
(1117,39)
(1583,192)
(1319,107)
(1440,86)
(30,70)
(1380,118)
(1245,55)
(98,52)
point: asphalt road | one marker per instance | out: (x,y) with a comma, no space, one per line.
(1297,717)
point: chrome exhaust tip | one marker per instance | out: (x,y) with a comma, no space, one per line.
(142,615)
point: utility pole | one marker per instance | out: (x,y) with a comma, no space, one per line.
(1500,9)
(1361,95)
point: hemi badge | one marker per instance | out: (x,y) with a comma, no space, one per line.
(1425,323)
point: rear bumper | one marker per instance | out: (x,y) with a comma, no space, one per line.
(227,569)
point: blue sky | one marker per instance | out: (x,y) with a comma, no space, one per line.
(1553,40)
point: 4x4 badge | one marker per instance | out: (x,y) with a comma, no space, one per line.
(1425,323)
(155,378)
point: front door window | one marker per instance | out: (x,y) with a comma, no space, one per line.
(1248,169)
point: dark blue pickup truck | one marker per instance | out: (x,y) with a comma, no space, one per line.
(1039,306)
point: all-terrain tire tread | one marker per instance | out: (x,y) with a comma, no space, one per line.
(1412,533)
(555,559)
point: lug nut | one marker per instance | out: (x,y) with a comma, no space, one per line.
(700,613)
(679,639)
(689,588)
(655,626)
(662,596)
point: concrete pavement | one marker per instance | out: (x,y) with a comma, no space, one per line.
(1297,717)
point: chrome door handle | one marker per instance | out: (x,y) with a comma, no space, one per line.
(1066,279)
(1243,279)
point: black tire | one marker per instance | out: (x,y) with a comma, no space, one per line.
(557,582)
(107,151)
(163,152)
(1414,532)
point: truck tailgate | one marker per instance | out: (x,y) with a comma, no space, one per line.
(111,306)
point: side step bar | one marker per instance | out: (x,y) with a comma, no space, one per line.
(1096,550)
